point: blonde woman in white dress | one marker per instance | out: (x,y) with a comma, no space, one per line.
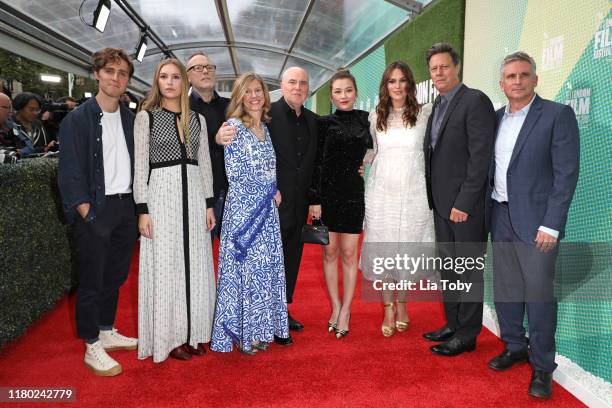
(396,209)
(173,194)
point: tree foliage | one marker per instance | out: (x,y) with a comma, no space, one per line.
(16,68)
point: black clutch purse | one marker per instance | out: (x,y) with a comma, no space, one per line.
(315,233)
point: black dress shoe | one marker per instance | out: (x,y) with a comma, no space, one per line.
(295,325)
(283,341)
(453,347)
(443,334)
(507,359)
(541,384)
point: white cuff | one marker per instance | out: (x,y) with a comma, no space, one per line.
(549,231)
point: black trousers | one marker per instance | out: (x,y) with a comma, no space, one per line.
(105,247)
(462,240)
(523,280)
(292,253)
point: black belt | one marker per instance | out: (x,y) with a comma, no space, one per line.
(504,203)
(120,196)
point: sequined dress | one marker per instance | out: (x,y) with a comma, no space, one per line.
(343,140)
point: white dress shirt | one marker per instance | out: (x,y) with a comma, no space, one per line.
(508,132)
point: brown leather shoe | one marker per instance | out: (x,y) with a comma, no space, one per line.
(180,353)
(196,351)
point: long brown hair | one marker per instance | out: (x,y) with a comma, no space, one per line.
(153,101)
(236,108)
(411,106)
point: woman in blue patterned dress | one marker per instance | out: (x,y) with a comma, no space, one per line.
(251,302)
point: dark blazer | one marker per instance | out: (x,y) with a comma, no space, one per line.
(81,165)
(456,170)
(543,169)
(293,176)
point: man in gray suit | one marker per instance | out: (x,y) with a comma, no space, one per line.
(531,183)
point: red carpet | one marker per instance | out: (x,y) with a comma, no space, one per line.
(364,369)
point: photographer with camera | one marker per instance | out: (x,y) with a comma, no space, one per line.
(53,113)
(30,132)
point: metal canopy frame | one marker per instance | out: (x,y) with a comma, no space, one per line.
(308,42)
(245,45)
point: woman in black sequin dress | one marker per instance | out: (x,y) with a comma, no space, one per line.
(337,194)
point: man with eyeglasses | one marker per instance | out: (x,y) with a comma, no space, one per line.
(8,147)
(207,102)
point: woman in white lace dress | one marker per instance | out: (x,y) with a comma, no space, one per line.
(396,209)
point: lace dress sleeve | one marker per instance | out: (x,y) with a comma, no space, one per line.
(371,153)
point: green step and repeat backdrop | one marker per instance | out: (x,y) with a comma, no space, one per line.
(572,45)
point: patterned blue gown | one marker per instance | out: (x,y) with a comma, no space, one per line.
(251,300)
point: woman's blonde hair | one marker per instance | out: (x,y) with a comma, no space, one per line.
(239,90)
(153,101)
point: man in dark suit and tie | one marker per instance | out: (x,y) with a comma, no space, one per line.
(531,183)
(293,131)
(458,146)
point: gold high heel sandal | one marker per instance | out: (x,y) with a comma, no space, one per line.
(399,325)
(388,331)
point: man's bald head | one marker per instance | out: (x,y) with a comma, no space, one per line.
(291,71)
(5,108)
(294,87)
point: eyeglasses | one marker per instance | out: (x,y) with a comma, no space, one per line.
(200,68)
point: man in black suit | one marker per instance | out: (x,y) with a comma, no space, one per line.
(458,148)
(294,136)
(207,102)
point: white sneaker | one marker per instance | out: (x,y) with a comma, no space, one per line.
(99,362)
(112,340)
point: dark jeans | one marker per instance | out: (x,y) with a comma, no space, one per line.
(105,247)
(292,253)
